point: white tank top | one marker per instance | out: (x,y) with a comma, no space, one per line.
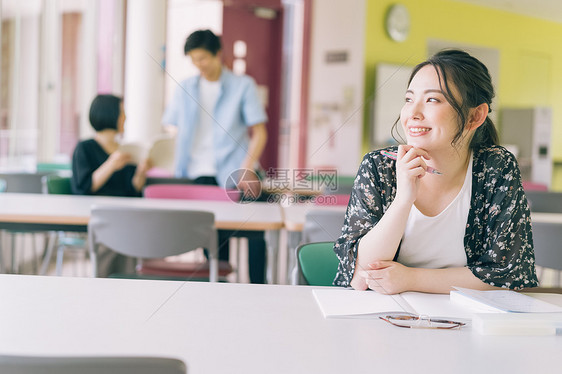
(438,242)
(202,159)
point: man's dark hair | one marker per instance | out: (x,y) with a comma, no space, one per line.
(105,111)
(204,39)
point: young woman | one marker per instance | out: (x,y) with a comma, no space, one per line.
(467,224)
(98,167)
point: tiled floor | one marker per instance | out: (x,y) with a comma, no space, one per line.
(77,264)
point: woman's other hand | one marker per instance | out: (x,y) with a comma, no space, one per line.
(387,277)
(139,179)
(118,160)
(144,166)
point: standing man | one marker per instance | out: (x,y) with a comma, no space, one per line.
(220,125)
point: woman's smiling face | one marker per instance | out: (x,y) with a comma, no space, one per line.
(428,120)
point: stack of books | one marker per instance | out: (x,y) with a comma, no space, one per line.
(501,312)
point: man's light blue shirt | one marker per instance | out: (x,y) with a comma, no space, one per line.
(238,107)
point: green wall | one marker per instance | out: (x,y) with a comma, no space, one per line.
(530,53)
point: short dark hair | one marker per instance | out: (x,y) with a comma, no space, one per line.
(105,111)
(473,81)
(204,39)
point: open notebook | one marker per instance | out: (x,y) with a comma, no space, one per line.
(160,152)
(540,318)
(347,303)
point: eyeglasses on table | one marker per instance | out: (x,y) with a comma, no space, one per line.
(421,322)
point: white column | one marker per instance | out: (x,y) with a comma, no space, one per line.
(144,73)
(49,82)
(118,47)
(28,95)
(88,67)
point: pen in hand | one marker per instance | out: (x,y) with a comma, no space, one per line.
(394,156)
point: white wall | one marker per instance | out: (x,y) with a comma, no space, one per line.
(184,17)
(336,89)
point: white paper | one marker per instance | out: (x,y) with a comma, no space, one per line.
(137,152)
(517,323)
(161,152)
(338,302)
(505,300)
(436,305)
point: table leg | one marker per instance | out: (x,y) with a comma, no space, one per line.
(48,252)
(272,244)
(1,252)
(293,241)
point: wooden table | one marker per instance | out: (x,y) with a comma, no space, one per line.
(72,213)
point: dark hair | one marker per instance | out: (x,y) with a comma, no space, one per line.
(105,111)
(474,84)
(204,39)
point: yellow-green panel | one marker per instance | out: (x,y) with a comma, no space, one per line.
(529,49)
(557,177)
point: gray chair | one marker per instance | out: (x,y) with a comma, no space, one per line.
(77,242)
(90,365)
(23,182)
(146,233)
(2,189)
(547,240)
(320,225)
(544,201)
(548,251)
(20,183)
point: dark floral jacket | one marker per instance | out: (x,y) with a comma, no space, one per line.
(498,240)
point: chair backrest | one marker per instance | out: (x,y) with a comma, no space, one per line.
(151,179)
(54,167)
(337,200)
(190,192)
(156,172)
(151,233)
(317,263)
(90,365)
(533,186)
(544,201)
(55,184)
(547,240)
(322,225)
(343,185)
(23,182)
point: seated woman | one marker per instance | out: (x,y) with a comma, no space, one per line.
(98,167)
(450,210)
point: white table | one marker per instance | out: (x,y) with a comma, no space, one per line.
(546,217)
(242,328)
(75,210)
(72,212)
